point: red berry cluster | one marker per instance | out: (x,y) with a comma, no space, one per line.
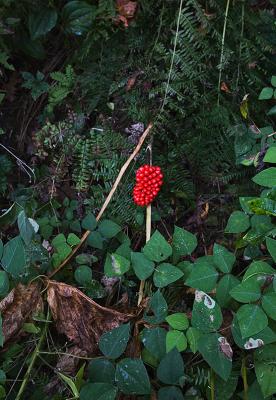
(149,180)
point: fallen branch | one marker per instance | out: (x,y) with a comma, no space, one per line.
(108,199)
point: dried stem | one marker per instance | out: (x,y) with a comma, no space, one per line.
(108,199)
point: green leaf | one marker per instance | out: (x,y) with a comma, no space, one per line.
(170,393)
(258,269)
(109,229)
(124,250)
(101,370)
(206,314)
(1,248)
(225,285)
(176,339)
(193,334)
(132,377)
(29,327)
(203,276)
(246,292)
(272,110)
(238,222)
(41,22)
(251,319)
(269,305)
(63,250)
(273,80)
(223,258)
(143,267)
(154,339)
(217,352)
(89,222)
(86,258)
(14,257)
(157,248)
(83,275)
(73,239)
(270,155)
(2,338)
(78,16)
(95,240)
(115,265)
(99,391)
(4,283)
(26,229)
(165,274)
(178,321)
(225,390)
(171,368)
(266,93)
(266,178)
(159,308)
(183,242)
(60,239)
(265,369)
(271,247)
(113,343)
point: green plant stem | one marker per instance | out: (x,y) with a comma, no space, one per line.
(33,360)
(244,378)
(212,384)
(222,47)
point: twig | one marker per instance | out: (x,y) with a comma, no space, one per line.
(108,199)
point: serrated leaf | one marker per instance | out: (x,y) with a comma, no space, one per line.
(14,257)
(131,377)
(171,368)
(142,266)
(203,276)
(238,222)
(178,321)
(251,319)
(165,274)
(210,347)
(176,339)
(157,248)
(183,242)
(113,343)
(154,339)
(223,258)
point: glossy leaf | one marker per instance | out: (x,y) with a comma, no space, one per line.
(203,276)
(165,274)
(132,377)
(206,313)
(238,222)
(41,22)
(183,242)
(266,178)
(225,285)
(251,319)
(223,258)
(157,248)
(269,304)
(246,292)
(113,343)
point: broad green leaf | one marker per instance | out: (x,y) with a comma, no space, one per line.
(109,229)
(157,248)
(225,390)
(113,343)
(148,358)
(178,321)
(258,269)
(78,16)
(124,250)
(159,307)
(86,259)
(265,368)
(99,391)
(41,22)
(115,265)
(269,305)
(170,393)
(1,248)
(271,247)
(270,155)
(273,80)
(171,368)
(266,93)
(95,240)
(132,377)
(101,370)
(193,334)
(26,229)
(63,250)
(176,339)
(142,266)
(154,339)
(73,239)
(217,352)
(206,314)
(272,110)
(165,274)
(223,258)
(14,257)
(2,377)
(251,319)
(60,239)
(29,327)
(203,276)
(238,222)
(225,285)
(89,222)
(186,267)
(183,242)
(83,274)
(246,292)
(4,283)
(266,178)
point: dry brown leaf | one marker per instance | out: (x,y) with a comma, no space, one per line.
(81,319)
(17,307)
